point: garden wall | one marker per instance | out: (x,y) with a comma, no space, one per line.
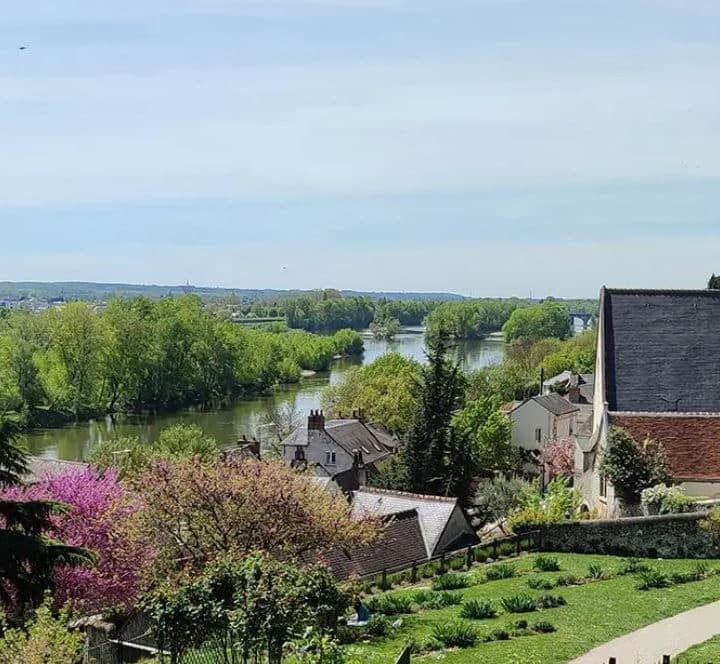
(666,536)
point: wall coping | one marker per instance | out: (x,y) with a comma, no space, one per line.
(655,518)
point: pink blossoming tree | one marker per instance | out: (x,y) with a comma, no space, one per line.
(558,457)
(102,515)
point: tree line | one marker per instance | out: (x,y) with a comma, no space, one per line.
(146,354)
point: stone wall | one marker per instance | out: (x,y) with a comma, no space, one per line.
(666,536)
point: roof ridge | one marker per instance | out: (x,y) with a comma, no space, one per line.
(407,494)
(663,413)
(663,291)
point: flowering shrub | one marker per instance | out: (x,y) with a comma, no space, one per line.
(102,517)
(558,457)
(663,499)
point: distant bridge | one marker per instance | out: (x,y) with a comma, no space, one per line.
(250,320)
(587,320)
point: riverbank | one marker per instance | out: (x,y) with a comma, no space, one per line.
(74,440)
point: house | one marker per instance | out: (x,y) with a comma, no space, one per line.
(345,450)
(417,528)
(578,388)
(542,419)
(657,375)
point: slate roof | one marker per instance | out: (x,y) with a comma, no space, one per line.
(691,440)
(434,512)
(661,350)
(555,404)
(401,543)
(43,467)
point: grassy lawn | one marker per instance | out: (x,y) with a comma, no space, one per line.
(707,653)
(595,612)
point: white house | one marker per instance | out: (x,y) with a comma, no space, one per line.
(542,419)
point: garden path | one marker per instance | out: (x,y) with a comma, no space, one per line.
(671,636)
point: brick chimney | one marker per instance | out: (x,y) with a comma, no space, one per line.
(359,471)
(316,421)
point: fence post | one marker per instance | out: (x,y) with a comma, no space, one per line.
(470,557)
(442,563)
(518,541)
(413,572)
(494,550)
(384,579)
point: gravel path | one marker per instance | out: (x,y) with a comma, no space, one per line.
(671,636)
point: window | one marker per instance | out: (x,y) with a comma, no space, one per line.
(329,458)
(603,486)
(538,435)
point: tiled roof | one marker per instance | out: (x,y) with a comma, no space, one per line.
(556,404)
(691,440)
(351,435)
(401,543)
(661,350)
(42,468)
(434,512)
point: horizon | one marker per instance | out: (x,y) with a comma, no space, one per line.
(494,146)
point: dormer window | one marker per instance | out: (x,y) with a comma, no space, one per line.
(330,458)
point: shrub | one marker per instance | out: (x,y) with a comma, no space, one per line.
(455,634)
(559,502)
(443,600)
(568,580)
(428,571)
(481,555)
(520,624)
(478,609)
(450,582)
(678,578)
(701,571)
(378,626)
(506,549)
(711,523)
(652,578)
(548,601)
(346,634)
(500,571)
(536,583)
(422,596)
(392,605)
(542,627)
(457,563)
(663,499)
(519,604)
(596,572)
(385,583)
(632,566)
(546,564)
(499,635)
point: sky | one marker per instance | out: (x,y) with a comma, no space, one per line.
(486,147)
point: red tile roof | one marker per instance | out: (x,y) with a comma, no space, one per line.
(691,440)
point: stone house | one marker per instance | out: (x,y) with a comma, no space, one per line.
(542,419)
(657,375)
(345,450)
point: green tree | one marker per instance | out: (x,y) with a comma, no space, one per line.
(489,432)
(549,319)
(426,452)
(632,466)
(27,557)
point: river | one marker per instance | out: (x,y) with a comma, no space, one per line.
(227,424)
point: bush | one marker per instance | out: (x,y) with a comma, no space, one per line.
(652,578)
(450,582)
(542,627)
(548,601)
(507,549)
(385,583)
(378,626)
(663,499)
(500,571)
(536,583)
(632,566)
(457,563)
(500,496)
(546,564)
(568,580)
(392,605)
(455,634)
(481,555)
(422,596)
(559,502)
(478,609)
(499,635)
(596,572)
(519,604)
(427,571)
(443,600)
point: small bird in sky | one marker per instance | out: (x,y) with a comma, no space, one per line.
(22,48)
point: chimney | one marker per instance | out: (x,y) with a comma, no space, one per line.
(359,472)
(316,421)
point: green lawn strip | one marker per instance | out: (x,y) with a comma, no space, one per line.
(595,613)
(703,653)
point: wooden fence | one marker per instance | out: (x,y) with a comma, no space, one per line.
(505,547)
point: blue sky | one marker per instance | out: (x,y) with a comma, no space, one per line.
(489,147)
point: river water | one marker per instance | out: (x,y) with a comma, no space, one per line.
(226,425)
